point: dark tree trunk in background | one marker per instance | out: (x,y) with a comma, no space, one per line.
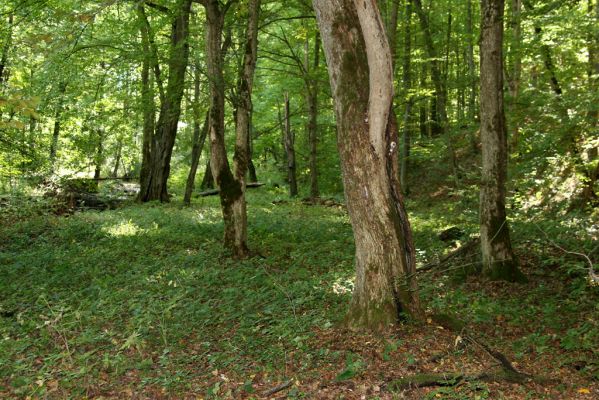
(99,158)
(207,179)
(422,107)
(5,50)
(147,98)
(312,102)
(117,161)
(498,259)
(62,88)
(199,138)
(516,64)
(440,89)
(155,185)
(289,142)
(472,78)
(357,53)
(407,81)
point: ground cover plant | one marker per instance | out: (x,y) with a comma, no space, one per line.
(142,301)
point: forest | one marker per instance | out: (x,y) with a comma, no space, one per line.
(302,199)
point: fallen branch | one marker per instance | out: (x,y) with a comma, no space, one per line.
(277,389)
(217,191)
(460,251)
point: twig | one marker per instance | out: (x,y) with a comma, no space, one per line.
(592,274)
(277,389)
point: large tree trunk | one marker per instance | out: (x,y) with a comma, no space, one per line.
(312,101)
(407,81)
(357,52)
(155,185)
(289,142)
(498,259)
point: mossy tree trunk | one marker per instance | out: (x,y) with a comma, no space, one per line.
(498,259)
(154,185)
(357,52)
(231,184)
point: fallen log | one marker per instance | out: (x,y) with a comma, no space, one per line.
(214,192)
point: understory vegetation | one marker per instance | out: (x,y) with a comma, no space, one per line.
(143,300)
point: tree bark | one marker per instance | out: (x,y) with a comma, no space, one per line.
(117,161)
(207,179)
(289,142)
(516,64)
(155,185)
(498,259)
(243,117)
(99,159)
(470,60)
(357,51)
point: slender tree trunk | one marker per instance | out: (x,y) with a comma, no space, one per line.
(440,89)
(117,162)
(516,65)
(470,60)
(312,101)
(155,186)
(357,51)
(407,81)
(243,125)
(498,259)
(422,108)
(199,137)
(99,159)
(392,28)
(62,88)
(289,141)
(147,101)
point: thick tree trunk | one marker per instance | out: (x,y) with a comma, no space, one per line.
(155,185)
(289,142)
(357,52)
(498,259)
(407,81)
(312,101)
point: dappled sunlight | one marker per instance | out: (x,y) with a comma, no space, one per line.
(343,286)
(123,228)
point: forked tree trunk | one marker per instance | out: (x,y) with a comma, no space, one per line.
(243,117)
(498,259)
(199,138)
(231,185)
(154,187)
(357,52)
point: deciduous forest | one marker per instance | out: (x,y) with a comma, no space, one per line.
(327,199)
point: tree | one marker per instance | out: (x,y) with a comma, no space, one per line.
(357,51)
(154,184)
(498,259)
(231,184)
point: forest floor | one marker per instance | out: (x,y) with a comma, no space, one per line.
(142,302)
